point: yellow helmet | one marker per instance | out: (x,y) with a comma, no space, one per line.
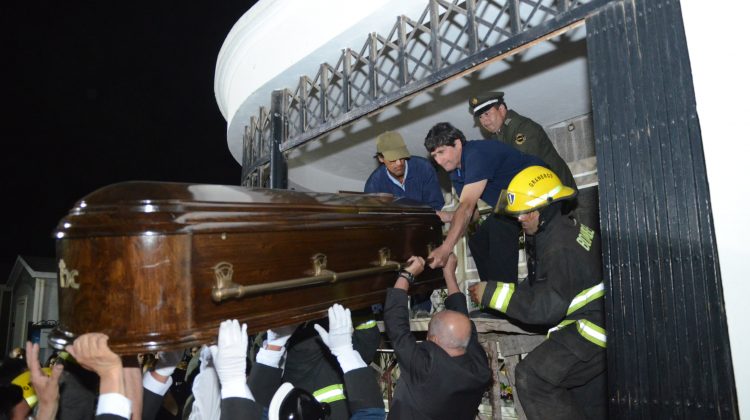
(531,189)
(24,381)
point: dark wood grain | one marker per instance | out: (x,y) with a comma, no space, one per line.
(145,254)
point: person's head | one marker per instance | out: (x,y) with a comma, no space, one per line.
(147,361)
(392,153)
(445,143)
(451,331)
(290,403)
(17,353)
(12,404)
(490,110)
(17,396)
(533,191)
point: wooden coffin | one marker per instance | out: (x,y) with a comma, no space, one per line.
(159,265)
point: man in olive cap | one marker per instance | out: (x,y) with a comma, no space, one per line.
(402,174)
(518,131)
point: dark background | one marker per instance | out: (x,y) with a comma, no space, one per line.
(100,92)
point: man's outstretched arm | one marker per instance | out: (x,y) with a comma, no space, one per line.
(459,223)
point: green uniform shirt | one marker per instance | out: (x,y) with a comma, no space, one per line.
(530,138)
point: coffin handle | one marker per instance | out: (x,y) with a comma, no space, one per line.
(225,289)
(59,338)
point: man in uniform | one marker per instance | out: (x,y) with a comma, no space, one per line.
(563,378)
(479,170)
(518,131)
(402,174)
(309,364)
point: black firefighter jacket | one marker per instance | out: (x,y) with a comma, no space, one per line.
(564,290)
(312,367)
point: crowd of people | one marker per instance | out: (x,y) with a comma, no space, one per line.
(228,388)
(516,187)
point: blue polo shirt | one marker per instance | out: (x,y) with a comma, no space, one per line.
(494,161)
(420,183)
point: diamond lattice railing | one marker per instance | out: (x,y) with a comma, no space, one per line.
(450,36)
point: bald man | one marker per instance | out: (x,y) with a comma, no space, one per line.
(445,376)
(451,331)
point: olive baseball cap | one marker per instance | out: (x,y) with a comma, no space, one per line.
(391,145)
(480,103)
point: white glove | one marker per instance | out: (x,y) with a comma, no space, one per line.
(280,336)
(166,364)
(338,338)
(206,390)
(277,337)
(229,359)
(168,361)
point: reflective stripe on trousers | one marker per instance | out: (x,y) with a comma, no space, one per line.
(586,328)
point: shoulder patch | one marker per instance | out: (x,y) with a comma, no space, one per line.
(520,138)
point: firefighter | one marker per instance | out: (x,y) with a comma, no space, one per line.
(563,378)
(312,367)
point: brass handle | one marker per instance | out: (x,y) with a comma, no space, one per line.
(226,289)
(59,338)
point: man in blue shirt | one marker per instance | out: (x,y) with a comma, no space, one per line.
(405,176)
(479,170)
(402,174)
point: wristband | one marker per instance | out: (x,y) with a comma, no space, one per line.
(407,275)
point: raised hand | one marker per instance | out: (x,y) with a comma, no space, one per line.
(46,387)
(229,358)
(338,338)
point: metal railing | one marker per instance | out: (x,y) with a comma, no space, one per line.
(450,37)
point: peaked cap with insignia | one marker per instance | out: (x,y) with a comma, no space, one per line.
(480,103)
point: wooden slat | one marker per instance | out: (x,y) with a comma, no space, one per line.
(668,346)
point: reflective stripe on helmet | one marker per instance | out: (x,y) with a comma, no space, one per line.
(501,296)
(544,197)
(330,393)
(531,189)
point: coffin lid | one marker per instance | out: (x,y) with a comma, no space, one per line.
(146,207)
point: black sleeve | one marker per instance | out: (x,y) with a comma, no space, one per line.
(544,303)
(396,317)
(151,404)
(240,409)
(457,302)
(362,390)
(538,305)
(77,394)
(366,340)
(263,383)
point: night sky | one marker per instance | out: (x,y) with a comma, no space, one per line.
(100,92)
